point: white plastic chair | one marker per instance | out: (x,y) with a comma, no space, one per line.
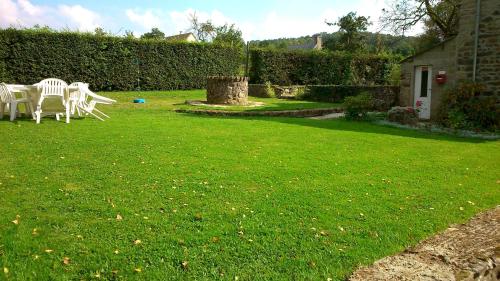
(9,98)
(87,101)
(78,97)
(53,88)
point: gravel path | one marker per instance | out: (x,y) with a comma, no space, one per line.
(469,251)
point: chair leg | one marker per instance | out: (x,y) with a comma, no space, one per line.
(91,113)
(13,111)
(2,107)
(30,105)
(57,117)
(95,108)
(67,113)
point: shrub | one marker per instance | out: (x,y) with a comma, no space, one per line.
(403,115)
(357,107)
(270,90)
(111,63)
(467,106)
(319,68)
(384,96)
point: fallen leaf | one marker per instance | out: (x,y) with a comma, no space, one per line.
(16,221)
(114,271)
(119,217)
(48,251)
(184,265)
(66,260)
(461,208)
(137,242)
(138,269)
(215,239)
(5,270)
(341,228)
(116,251)
(323,233)
(35,231)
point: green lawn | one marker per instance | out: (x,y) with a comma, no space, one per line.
(253,198)
(177,100)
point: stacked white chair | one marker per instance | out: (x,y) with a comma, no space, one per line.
(53,88)
(85,101)
(7,98)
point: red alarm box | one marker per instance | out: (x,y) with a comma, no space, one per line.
(441,77)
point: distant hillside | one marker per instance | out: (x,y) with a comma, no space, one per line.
(376,43)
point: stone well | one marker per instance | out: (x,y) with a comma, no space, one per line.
(227,90)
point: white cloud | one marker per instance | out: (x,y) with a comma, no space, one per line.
(85,19)
(29,8)
(9,13)
(146,20)
(23,13)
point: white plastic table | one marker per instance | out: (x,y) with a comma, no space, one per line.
(32,91)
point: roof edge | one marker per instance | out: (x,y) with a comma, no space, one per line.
(428,49)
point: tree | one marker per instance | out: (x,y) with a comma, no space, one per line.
(129,34)
(100,32)
(155,33)
(439,16)
(352,28)
(203,31)
(229,35)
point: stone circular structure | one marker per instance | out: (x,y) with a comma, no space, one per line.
(227,90)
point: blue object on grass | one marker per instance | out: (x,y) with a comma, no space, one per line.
(139,101)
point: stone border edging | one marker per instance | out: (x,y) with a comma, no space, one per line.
(276,113)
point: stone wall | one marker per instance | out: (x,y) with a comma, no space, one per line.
(440,58)
(260,91)
(227,90)
(488,54)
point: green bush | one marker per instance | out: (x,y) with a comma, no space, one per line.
(270,90)
(319,68)
(385,96)
(357,107)
(468,107)
(111,63)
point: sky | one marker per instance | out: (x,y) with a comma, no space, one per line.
(257,19)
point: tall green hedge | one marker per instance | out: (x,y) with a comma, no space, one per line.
(111,63)
(319,68)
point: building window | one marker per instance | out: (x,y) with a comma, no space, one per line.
(424,82)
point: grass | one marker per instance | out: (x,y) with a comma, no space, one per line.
(220,198)
(178,98)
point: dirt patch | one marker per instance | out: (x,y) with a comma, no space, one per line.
(469,251)
(281,113)
(205,103)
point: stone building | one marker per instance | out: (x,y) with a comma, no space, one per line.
(183,37)
(315,44)
(473,55)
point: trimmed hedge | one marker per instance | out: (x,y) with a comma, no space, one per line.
(111,63)
(319,68)
(384,97)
